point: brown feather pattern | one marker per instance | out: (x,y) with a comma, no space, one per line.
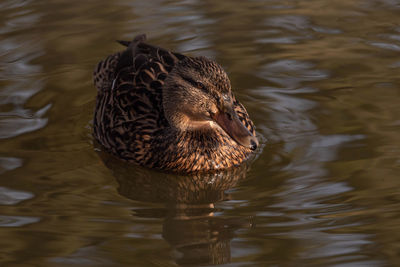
(129,118)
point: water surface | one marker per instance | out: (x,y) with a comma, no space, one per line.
(320,80)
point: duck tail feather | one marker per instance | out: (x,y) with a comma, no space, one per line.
(138,39)
(124,43)
(127,57)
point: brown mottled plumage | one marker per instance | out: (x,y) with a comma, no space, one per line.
(168,111)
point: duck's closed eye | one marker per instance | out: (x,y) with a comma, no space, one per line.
(194,83)
(201,86)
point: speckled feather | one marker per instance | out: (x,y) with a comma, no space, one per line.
(129,117)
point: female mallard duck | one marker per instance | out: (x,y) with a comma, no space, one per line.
(168,111)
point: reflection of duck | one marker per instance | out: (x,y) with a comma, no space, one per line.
(168,111)
(190,225)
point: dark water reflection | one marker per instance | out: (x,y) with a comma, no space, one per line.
(320,80)
(190,225)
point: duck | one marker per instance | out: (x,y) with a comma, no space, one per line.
(168,111)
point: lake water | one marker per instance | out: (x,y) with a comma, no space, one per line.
(320,79)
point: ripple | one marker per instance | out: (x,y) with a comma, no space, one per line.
(279,40)
(16,221)
(291,73)
(387,46)
(340,244)
(12,127)
(12,197)
(17,67)
(9,163)
(288,22)
(293,24)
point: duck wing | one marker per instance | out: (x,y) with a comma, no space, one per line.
(139,77)
(129,105)
(138,57)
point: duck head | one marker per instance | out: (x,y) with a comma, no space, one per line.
(197,96)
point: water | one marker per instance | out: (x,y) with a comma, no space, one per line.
(320,80)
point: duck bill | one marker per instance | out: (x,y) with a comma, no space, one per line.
(231,124)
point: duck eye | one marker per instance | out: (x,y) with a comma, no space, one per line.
(201,86)
(194,83)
